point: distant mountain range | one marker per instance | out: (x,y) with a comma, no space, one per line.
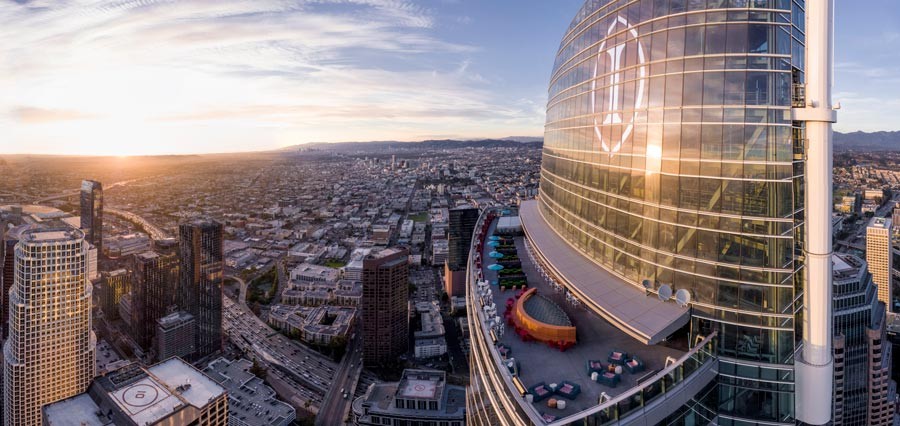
(385,146)
(855,141)
(862,141)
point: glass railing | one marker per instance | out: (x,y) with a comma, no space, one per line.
(798,96)
(641,398)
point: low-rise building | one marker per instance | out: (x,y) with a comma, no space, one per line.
(171,393)
(318,325)
(421,397)
(250,401)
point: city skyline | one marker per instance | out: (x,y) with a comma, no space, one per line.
(138,78)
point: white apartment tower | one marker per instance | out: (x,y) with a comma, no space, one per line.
(49,355)
(879,257)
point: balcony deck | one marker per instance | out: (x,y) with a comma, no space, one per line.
(596,337)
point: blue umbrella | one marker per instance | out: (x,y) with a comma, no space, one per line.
(496,255)
(493,238)
(496,267)
(493,243)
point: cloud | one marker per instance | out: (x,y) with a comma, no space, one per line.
(31,115)
(308,67)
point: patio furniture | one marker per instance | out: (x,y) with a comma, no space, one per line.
(548,418)
(594,366)
(617,357)
(552,403)
(634,365)
(540,392)
(609,379)
(561,404)
(569,390)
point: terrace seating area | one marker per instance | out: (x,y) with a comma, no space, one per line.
(564,378)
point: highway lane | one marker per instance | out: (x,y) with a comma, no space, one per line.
(154,232)
(307,370)
(335,408)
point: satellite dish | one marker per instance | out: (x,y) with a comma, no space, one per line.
(665,292)
(682,297)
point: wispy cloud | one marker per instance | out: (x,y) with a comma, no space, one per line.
(316,69)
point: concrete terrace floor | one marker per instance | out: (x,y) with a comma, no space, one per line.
(596,339)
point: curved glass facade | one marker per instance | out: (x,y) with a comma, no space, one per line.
(670,156)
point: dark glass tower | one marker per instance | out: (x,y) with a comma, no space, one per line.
(114,285)
(155,279)
(385,324)
(92,213)
(462,224)
(202,268)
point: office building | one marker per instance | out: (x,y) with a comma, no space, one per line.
(879,256)
(92,213)
(154,293)
(385,324)
(202,267)
(863,393)
(459,237)
(113,286)
(7,273)
(250,401)
(421,397)
(48,356)
(685,196)
(171,393)
(175,336)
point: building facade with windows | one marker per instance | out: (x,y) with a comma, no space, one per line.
(684,141)
(92,213)
(202,273)
(49,355)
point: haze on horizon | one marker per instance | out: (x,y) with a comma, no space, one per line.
(131,77)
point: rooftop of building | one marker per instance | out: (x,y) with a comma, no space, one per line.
(79,410)
(250,400)
(145,395)
(597,338)
(880,222)
(175,319)
(39,234)
(419,385)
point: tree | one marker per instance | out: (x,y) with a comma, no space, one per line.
(258,370)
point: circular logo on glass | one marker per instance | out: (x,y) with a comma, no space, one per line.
(607,101)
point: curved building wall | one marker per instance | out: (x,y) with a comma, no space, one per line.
(669,156)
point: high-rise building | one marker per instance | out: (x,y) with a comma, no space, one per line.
(459,237)
(49,355)
(7,274)
(153,294)
(685,196)
(863,392)
(879,256)
(92,213)
(114,285)
(202,268)
(384,306)
(171,393)
(175,335)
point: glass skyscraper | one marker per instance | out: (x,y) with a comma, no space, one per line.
(92,213)
(675,161)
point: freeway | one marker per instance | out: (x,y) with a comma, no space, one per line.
(336,407)
(308,373)
(151,229)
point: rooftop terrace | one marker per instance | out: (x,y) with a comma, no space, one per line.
(596,339)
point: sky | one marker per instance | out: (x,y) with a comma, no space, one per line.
(130,77)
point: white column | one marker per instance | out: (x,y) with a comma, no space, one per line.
(814,366)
